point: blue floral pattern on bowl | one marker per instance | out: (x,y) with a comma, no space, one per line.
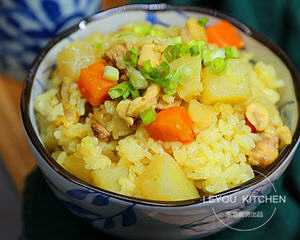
(26,26)
(128,214)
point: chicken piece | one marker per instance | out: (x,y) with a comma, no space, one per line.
(265,151)
(185,35)
(116,53)
(258,115)
(121,109)
(284,134)
(193,30)
(166,101)
(148,53)
(140,104)
(100,132)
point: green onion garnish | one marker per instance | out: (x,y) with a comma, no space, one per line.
(163,69)
(125,34)
(157,32)
(209,55)
(148,116)
(173,84)
(177,40)
(171,92)
(137,80)
(172,52)
(185,73)
(126,93)
(118,90)
(135,93)
(194,50)
(142,29)
(156,75)
(147,67)
(160,82)
(231,52)
(203,21)
(218,65)
(98,44)
(191,43)
(131,57)
(201,43)
(111,73)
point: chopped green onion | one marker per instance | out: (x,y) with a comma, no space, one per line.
(185,73)
(157,32)
(218,65)
(156,75)
(172,52)
(134,51)
(194,50)
(160,82)
(111,73)
(98,44)
(191,43)
(171,92)
(201,43)
(125,34)
(203,21)
(209,55)
(231,52)
(177,40)
(185,49)
(142,29)
(118,90)
(173,83)
(131,57)
(163,69)
(147,67)
(148,116)
(137,80)
(126,93)
(135,93)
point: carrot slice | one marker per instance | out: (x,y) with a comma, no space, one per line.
(92,85)
(224,34)
(172,124)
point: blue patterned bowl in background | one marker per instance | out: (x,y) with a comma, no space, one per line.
(27,25)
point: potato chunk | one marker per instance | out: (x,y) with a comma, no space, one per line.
(76,166)
(202,114)
(193,30)
(108,178)
(194,88)
(232,86)
(76,55)
(164,180)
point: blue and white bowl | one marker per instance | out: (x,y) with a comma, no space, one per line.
(144,219)
(26,26)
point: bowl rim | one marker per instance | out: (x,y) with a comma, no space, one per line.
(33,138)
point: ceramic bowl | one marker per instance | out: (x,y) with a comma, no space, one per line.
(143,219)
